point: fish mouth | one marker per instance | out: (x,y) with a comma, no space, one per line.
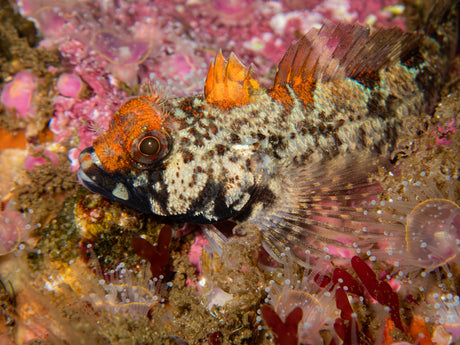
(92,175)
(111,186)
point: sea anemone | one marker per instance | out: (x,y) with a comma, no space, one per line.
(312,292)
(446,315)
(421,223)
(14,228)
(433,232)
(233,12)
(128,291)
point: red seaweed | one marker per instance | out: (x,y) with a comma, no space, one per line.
(158,255)
(381,291)
(340,328)
(342,302)
(285,332)
(215,338)
(322,280)
(345,326)
(347,282)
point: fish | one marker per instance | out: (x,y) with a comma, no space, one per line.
(296,159)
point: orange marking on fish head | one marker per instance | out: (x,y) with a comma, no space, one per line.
(137,116)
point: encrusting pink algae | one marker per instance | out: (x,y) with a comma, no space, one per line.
(76,268)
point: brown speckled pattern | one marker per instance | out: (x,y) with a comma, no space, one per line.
(220,157)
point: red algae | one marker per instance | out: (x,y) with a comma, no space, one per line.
(381,291)
(285,332)
(157,255)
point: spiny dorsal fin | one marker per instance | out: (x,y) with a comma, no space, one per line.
(229,83)
(338,51)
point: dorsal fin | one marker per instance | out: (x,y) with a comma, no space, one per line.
(338,51)
(229,83)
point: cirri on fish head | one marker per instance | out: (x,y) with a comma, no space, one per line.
(291,158)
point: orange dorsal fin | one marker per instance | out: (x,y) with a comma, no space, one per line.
(336,51)
(229,83)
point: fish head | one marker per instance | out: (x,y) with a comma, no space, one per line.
(173,166)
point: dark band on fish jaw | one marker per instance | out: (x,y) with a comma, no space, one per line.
(91,173)
(93,177)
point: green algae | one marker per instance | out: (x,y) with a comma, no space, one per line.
(64,239)
(40,192)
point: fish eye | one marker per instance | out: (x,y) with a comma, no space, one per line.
(149,146)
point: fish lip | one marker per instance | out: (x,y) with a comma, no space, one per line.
(86,182)
(93,177)
(90,162)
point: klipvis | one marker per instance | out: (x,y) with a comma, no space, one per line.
(295,159)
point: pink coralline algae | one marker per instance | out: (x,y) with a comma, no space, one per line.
(195,251)
(123,35)
(444,135)
(69,85)
(39,157)
(18,94)
(82,120)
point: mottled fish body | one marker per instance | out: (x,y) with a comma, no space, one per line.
(294,159)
